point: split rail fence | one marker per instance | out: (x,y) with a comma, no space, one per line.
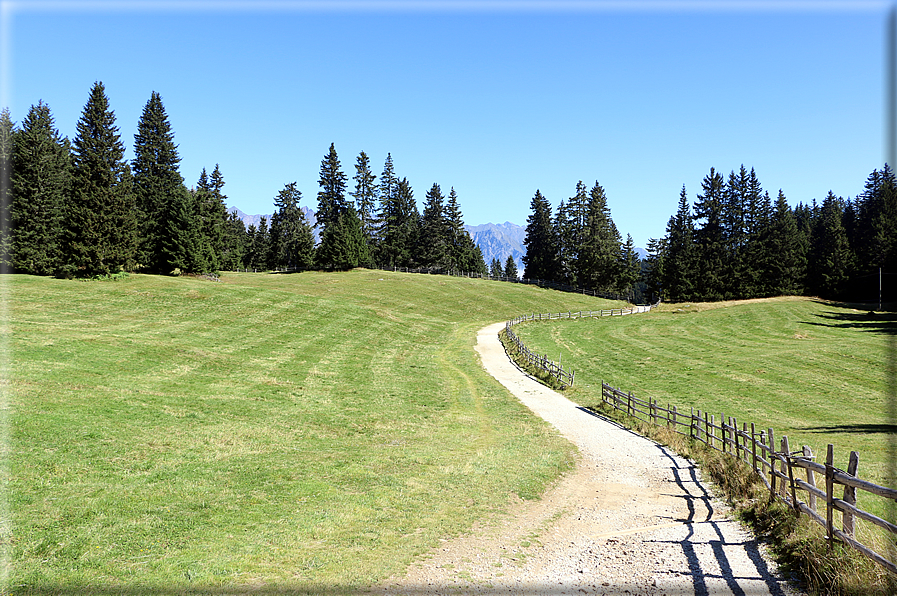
(541,361)
(779,469)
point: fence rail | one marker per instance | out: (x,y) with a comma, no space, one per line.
(542,362)
(779,469)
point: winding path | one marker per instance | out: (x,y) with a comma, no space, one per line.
(632,518)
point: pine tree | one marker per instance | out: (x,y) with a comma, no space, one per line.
(41,171)
(100,215)
(495,268)
(680,271)
(178,250)
(565,243)
(343,245)
(365,196)
(784,261)
(294,245)
(510,267)
(829,259)
(457,238)
(654,271)
(7,133)
(540,258)
(332,196)
(433,243)
(400,221)
(710,239)
(235,237)
(157,181)
(630,268)
(598,262)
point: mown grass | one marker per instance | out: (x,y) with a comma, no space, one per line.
(309,432)
(816,371)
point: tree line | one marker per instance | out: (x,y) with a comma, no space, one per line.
(579,245)
(734,242)
(78,208)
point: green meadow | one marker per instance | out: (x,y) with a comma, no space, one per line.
(812,370)
(305,432)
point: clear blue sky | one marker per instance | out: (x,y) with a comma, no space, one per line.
(498,102)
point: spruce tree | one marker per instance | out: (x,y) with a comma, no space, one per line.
(294,245)
(459,255)
(784,263)
(598,263)
(540,258)
(433,243)
(235,238)
(365,196)
(41,170)
(100,214)
(829,260)
(630,268)
(680,270)
(510,267)
(332,206)
(565,242)
(7,132)
(157,181)
(495,268)
(710,239)
(178,250)
(343,245)
(654,271)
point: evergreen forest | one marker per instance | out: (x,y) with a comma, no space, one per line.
(77,208)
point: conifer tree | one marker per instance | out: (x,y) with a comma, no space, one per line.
(565,243)
(459,249)
(510,267)
(294,245)
(235,237)
(332,213)
(400,222)
(830,258)
(343,245)
(495,268)
(630,268)
(540,258)
(598,263)
(365,196)
(7,131)
(654,270)
(157,182)
(332,196)
(710,238)
(178,250)
(41,170)
(100,215)
(784,263)
(680,269)
(433,244)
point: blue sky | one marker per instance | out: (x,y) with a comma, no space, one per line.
(496,99)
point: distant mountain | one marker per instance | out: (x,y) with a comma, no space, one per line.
(499,241)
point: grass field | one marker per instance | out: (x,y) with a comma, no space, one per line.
(309,431)
(812,370)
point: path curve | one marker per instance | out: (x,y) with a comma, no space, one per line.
(633,517)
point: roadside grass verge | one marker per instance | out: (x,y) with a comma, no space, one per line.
(812,370)
(308,432)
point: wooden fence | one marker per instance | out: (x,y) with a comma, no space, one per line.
(542,362)
(779,469)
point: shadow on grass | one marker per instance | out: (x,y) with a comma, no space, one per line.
(852,428)
(868,320)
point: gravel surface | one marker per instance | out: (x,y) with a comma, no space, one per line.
(633,518)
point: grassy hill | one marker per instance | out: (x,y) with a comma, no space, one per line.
(310,431)
(812,370)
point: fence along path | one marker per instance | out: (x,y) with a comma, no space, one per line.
(779,469)
(542,362)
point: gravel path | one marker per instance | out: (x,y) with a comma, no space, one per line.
(633,518)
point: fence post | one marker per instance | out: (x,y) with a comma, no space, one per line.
(712,430)
(668,414)
(772,464)
(735,436)
(674,420)
(811,477)
(829,492)
(629,404)
(691,424)
(753,448)
(722,430)
(786,449)
(850,496)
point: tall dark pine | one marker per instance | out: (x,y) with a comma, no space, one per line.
(100,215)
(829,262)
(157,181)
(710,237)
(598,263)
(365,196)
(565,237)
(540,258)
(785,259)
(6,147)
(40,184)
(630,268)
(295,244)
(510,267)
(654,270)
(433,245)
(680,264)
(332,209)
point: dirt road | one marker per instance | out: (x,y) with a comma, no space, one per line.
(633,518)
